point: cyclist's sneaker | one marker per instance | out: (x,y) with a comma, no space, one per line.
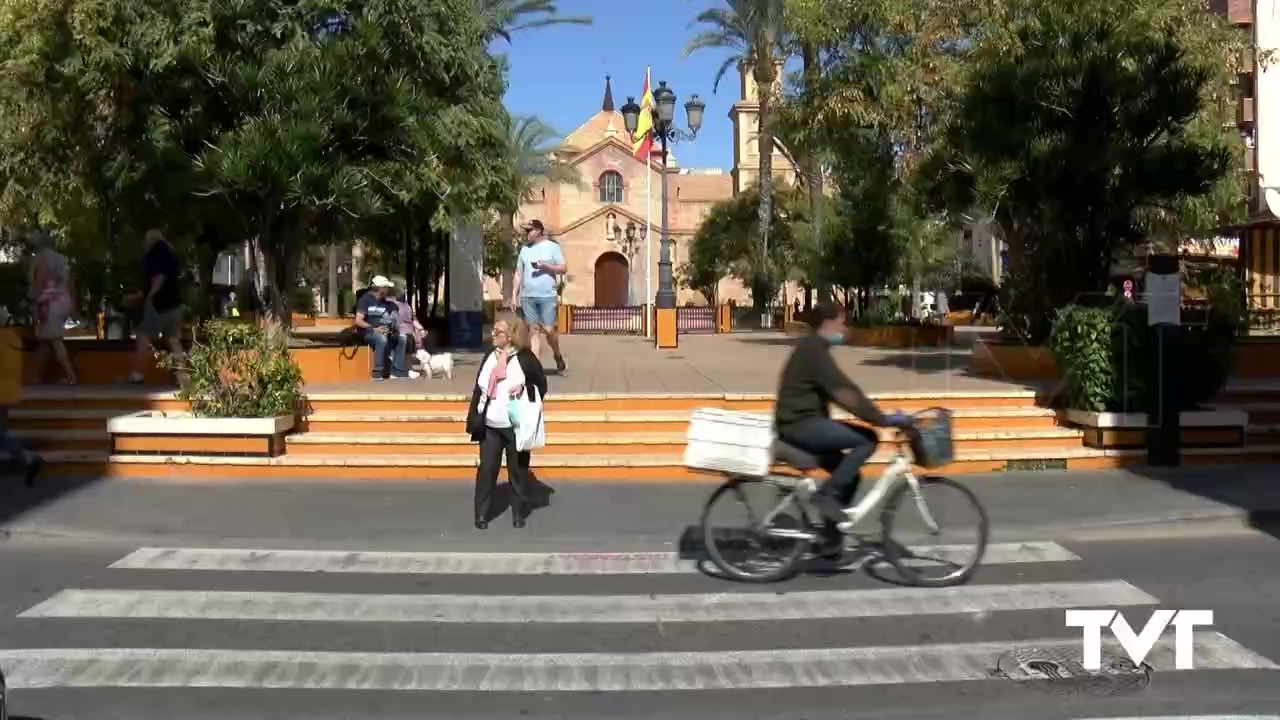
(830,543)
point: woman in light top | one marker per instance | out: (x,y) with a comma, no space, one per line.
(507,373)
(51,294)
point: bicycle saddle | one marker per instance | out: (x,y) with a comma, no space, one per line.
(794,457)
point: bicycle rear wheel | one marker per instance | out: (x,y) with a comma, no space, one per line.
(918,555)
(756,551)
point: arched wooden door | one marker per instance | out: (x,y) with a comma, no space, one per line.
(611,280)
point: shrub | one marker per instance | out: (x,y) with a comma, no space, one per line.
(302,301)
(239,370)
(13,291)
(879,312)
(347,303)
(1109,354)
(1082,345)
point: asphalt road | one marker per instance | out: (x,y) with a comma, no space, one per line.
(326,635)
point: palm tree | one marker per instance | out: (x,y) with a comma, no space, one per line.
(531,148)
(504,18)
(753,32)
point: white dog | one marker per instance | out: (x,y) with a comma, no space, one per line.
(440,363)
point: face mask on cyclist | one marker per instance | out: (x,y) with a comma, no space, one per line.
(836,338)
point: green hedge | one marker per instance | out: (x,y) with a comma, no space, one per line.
(1107,356)
(1082,343)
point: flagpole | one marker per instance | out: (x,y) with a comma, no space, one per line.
(648,229)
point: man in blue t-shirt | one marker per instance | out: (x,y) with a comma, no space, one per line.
(378,322)
(538,267)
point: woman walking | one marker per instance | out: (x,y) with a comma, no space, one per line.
(507,374)
(50,284)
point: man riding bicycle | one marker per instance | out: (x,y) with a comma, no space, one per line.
(811,382)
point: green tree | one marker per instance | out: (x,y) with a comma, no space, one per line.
(504,18)
(724,244)
(1080,125)
(99,114)
(890,68)
(864,248)
(753,32)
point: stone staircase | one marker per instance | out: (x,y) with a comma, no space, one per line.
(596,436)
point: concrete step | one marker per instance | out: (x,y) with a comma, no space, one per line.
(633,443)
(76,439)
(965,420)
(1260,413)
(389,402)
(616,467)
(22,418)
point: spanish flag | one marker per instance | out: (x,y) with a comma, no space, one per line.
(643,145)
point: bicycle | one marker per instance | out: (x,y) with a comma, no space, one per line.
(930,448)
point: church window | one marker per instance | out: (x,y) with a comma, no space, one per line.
(611,187)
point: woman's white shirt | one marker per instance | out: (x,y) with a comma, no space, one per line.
(496,415)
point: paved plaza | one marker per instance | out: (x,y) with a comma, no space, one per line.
(730,363)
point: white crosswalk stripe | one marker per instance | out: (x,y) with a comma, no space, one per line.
(582,672)
(426,563)
(610,669)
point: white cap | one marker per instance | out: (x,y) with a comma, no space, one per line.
(381,281)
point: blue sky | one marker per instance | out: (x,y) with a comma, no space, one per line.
(557,73)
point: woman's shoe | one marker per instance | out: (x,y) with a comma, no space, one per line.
(482,524)
(519,522)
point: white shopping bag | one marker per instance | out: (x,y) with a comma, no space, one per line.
(531,432)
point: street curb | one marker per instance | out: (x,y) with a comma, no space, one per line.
(1205,524)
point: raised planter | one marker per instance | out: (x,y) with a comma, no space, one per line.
(107,362)
(1128,431)
(300,320)
(156,432)
(1013,360)
(900,336)
(1256,357)
(331,363)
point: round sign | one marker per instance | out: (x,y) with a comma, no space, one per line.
(1128,288)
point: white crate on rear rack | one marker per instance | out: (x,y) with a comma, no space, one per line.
(730,442)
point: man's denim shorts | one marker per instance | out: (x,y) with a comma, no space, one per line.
(539,311)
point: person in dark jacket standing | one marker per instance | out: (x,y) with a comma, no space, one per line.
(811,383)
(507,373)
(161,300)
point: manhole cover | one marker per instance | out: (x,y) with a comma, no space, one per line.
(1059,671)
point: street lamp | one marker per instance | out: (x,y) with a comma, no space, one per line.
(628,243)
(665,132)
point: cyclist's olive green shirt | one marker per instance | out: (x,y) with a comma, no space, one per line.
(810,381)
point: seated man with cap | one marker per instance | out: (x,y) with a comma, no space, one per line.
(378,322)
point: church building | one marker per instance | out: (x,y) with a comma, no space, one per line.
(599,220)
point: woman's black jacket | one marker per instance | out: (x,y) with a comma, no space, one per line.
(535,380)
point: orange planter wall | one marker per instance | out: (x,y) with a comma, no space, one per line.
(99,365)
(1257,358)
(1013,361)
(899,336)
(334,364)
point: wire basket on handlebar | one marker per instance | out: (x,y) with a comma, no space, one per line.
(930,436)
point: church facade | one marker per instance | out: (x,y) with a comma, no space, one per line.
(590,218)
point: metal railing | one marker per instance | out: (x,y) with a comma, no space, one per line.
(696,319)
(746,319)
(627,320)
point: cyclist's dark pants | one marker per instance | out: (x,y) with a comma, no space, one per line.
(842,449)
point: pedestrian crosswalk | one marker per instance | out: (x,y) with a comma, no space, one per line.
(281,590)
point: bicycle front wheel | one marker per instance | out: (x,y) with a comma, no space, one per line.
(763,536)
(937,539)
